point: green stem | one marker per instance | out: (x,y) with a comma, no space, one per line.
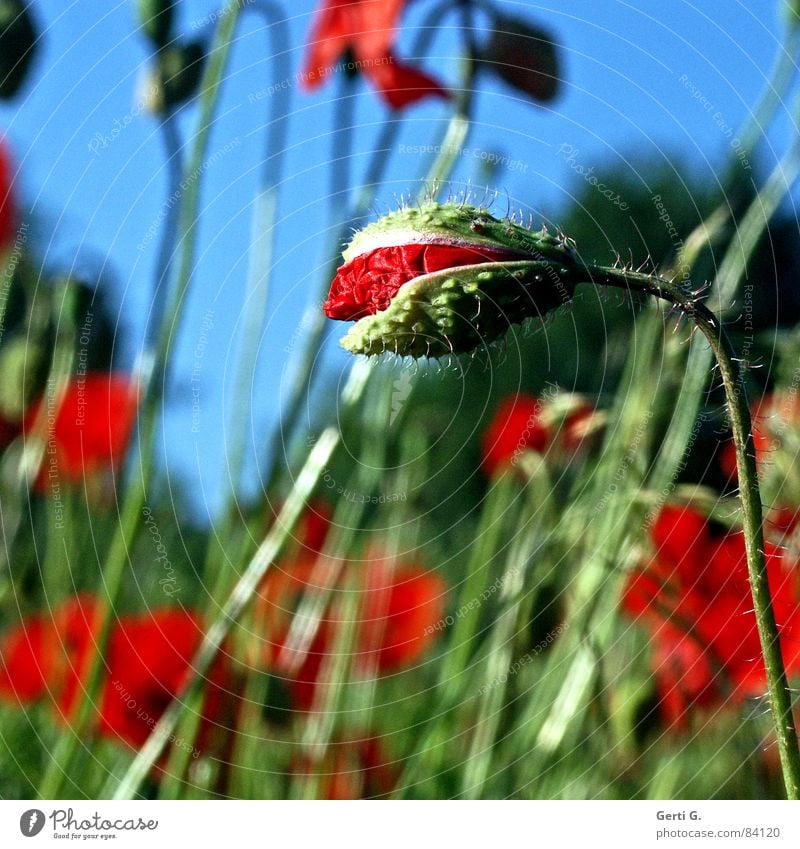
(231,611)
(741,425)
(135,496)
(314,321)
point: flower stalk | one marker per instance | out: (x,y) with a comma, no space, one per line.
(750,497)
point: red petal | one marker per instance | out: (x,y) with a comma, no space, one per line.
(401,84)
(92,426)
(514,429)
(24,667)
(367,284)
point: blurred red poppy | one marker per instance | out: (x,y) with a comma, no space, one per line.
(8,212)
(22,676)
(694,597)
(365,30)
(352,769)
(400,607)
(312,528)
(48,654)
(524,423)
(515,427)
(90,429)
(773,416)
(149,660)
(398,610)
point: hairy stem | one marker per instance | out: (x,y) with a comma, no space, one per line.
(741,425)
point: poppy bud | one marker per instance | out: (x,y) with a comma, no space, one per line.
(156,18)
(177,77)
(181,71)
(445,279)
(17,45)
(524,57)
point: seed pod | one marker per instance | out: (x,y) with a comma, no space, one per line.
(523,56)
(17,46)
(446,279)
(181,71)
(156,18)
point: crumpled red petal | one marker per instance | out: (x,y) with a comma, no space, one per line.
(367,284)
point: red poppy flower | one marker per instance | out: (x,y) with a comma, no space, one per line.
(773,415)
(76,625)
(149,661)
(443,279)
(48,654)
(352,769)
(524,423)
(398,609)
(366,30)
(8,212)
(516,427)
(90,429)
(694,596)
(22,677)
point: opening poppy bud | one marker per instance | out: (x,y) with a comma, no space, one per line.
(156,18)
(17,45)
(446,278)
(523,56)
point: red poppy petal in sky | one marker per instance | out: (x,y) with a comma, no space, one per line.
(8,213)
(24,668)
(399,83)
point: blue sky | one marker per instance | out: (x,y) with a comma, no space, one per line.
(658,78)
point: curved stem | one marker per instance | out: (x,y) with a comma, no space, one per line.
(741,425)
(135,496)
(314,320)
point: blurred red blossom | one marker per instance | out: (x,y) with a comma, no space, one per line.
(398,609)
(89,429)
(524,423)
(8,212)
(48,653)
(694,597)
(352,769)
(147,662)
(773,415)
(22,676)
(365,30)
